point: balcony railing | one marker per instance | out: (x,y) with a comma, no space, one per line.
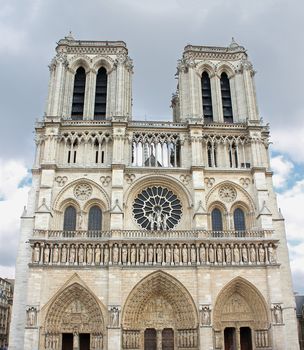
(142,234)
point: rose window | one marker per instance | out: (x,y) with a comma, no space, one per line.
(157,208)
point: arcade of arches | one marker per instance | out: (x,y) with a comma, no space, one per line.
(159,314)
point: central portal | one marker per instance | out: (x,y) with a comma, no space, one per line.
(159,340)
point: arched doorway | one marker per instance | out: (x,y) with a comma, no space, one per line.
(240,318)
(159,314)
(74,321)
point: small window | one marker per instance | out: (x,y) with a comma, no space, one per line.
(212,154)
(206,98)
(226,99)
(69,223)
(95,217)
(239,220)
(101,94)
(216,218)
(78,94)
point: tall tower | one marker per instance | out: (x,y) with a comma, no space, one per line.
(152,235)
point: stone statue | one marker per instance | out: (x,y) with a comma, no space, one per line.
(114,317)
(36,254)
(55,254)
(202,254)
(133,254)
(205,316)
(64,254)
(81,254)
(115,251)
(185,254)
(277,313)
(219,254)
(228,254)
(168,254)
(271,254)
(176,254)
(158,220)
(236,254)
(106,255)
(244,254)
(89,254)
(150,254)
(72,254)
(211,254)
(193,253)
(80,221)
(159,254)
(31,317)
(261,254)
(75,340)
(47,254)
(142,254)
(252,254)
(151,220)
(97,254)
(124,254)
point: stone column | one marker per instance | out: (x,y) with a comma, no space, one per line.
(75,341)
(158,339)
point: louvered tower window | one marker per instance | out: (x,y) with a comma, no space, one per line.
(69,223)
(95,217)
(226,99)
(239,220)
(216,219)
(101,94)
(78,94)
(206,98)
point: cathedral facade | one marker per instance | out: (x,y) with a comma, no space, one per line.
(152,235)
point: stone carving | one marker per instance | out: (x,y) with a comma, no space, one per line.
(217,340)
(51,341)
(114,317)
(31,316)
(157,253)
(185,179)
(227,193)
(97,342)
(205,315)
(261,338)
(187,338)
(83,191)
(61,180)
(105,180)
(130,339)
(277,314)
(209,181)
(245,181)
(130,178)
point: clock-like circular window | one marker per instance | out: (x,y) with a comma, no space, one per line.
(157,208)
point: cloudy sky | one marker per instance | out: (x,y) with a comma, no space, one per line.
(156,32)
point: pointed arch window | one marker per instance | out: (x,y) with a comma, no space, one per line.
(95,218)
(239,220)
(216,220)
(78,94)
(212,154)
(101,94)
(206,97)
(226,98)
(69,222)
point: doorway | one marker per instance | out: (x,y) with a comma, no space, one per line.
(230,338)
(150,339)
(84,341)
(167,339)
(245,336)
(67,341)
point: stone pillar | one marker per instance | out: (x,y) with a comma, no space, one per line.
(158,339)
(75,341)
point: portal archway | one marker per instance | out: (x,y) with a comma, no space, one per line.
(159,310)
(240,317)
(74,320)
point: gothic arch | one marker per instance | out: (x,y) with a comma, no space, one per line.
(104,61)
(80,61)
(67,192)
(240,303)
(226,67)
(243,196)
(159,287)
(208,66)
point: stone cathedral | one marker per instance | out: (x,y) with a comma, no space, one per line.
(152,235)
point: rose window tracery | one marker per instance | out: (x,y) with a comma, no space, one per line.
(157,208)
(83,191)
(227,193)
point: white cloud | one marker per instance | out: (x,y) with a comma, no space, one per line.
(282,169)
(13,199)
